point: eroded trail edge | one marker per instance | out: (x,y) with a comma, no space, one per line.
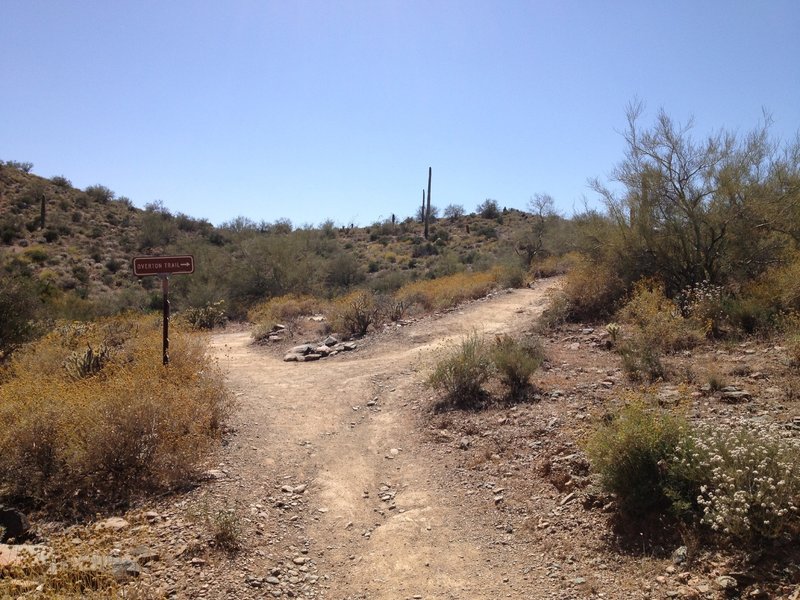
(335,453)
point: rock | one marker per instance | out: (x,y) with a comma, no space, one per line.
(322,350)
(113,524)
(144,555)
(726,582)
(680,555)
(347,346)
(273,580)
(735,395)
(18,554)
(14,524)
(299,560)
(119,568)
(210,474)
(299,489)
(292,357)
(330,341)
(464,443)
(302,349)
(568,498)
(275,338)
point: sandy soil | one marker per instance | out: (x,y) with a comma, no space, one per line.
(380,521)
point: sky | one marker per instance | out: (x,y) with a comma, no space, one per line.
(315,110)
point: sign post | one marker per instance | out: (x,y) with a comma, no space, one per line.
(164,266)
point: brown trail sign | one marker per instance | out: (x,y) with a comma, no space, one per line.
(164,266)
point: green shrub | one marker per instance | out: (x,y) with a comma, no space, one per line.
(461,374)
(61,181)
(515,361)
(207,317)
(631,454)
(641,361)
(99,193)
(19,308)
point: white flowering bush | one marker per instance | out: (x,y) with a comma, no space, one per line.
(749,479)
(703,303)
(742,481)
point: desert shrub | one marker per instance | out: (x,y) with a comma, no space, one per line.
(90,362)
(344,271)
(641,361)
(99,193)
(133,428)
(631,453)
(354,313)
(655,321)
(515,361)
(284,310)
(447,292)
(592,290)
(61,181)
(19,308)
(207,317)
(704,304)
(747,480)
(461,374)
(25,167)
(453,211)
(488,209)
(550,266)
(37,254)
(511,276)
(556,313)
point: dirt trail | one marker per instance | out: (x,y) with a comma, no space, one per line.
(379,517)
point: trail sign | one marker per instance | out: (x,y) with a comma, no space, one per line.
(163,265)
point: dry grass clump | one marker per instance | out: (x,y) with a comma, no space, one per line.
(515,361)
(591,289)
(354,313)
(284,309)
(129,426)
(461,374)
(654,327)
(449,291)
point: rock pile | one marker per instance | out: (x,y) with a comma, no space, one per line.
(310,352)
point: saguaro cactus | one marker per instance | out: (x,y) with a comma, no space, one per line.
(427,210)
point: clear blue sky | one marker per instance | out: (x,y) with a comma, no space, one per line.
(311,110)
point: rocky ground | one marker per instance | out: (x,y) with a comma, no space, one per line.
(339,480)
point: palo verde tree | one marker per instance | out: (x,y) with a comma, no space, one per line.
(529,243)
(689,211)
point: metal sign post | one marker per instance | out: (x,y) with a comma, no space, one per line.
(165,293)
(164,266)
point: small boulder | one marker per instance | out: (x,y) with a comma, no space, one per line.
(330,341)
(302,349)
(113,524)
(14,524)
